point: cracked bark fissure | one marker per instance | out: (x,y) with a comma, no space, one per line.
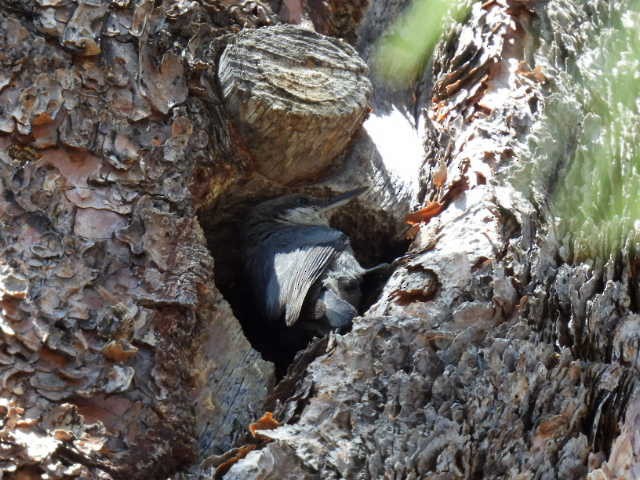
(484,357)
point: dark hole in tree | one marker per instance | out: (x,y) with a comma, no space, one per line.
(373,237)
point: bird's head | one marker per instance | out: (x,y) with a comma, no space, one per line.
(303,209)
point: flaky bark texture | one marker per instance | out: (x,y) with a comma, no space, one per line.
(118,355)
(491,352)
(486,356)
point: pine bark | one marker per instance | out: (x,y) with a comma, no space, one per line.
(489,353)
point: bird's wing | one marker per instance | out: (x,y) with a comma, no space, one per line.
(289,261)
(296,271)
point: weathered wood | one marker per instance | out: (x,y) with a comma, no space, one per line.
(295,96)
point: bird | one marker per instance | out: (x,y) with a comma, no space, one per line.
(302,271)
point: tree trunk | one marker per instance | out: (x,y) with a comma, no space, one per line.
(490,353)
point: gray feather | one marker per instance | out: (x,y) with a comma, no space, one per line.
(338,312)
(301,261)
(300,270)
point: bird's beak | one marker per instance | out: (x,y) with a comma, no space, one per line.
(342,199)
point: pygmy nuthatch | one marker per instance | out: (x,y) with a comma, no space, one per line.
(300,268)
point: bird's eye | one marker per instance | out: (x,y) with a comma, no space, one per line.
(303,201)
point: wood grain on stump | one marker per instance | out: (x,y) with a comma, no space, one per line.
(296,98)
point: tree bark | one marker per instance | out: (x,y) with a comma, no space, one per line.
(120,357)
(489,354)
